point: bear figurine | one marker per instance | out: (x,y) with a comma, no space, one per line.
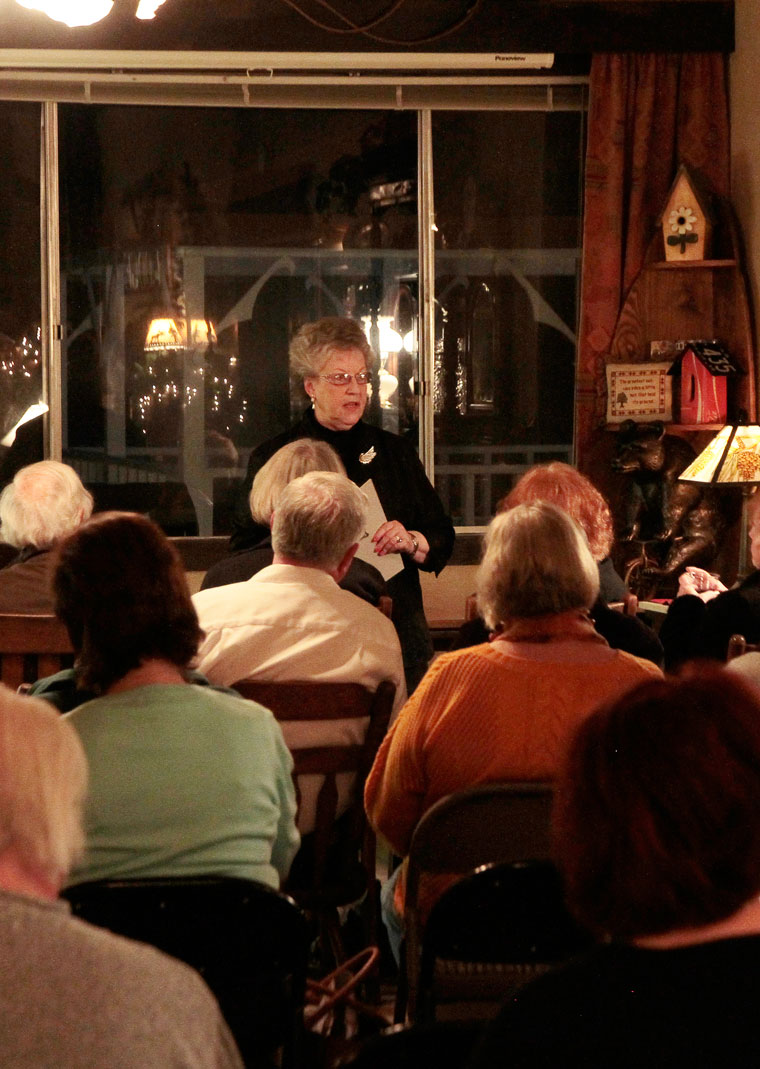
(657,508)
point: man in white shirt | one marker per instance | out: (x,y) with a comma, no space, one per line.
(291,621)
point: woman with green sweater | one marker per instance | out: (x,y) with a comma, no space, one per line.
(184,780)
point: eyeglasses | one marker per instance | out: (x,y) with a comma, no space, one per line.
(343,378)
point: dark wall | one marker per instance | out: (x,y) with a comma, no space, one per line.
(561,26)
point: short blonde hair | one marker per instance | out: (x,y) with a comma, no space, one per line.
(43,781)
(294,459)
(536,562)
(44,502)
(319,516)
(564,486)
(312,346)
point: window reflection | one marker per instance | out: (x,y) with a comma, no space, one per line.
(21,386)
(507,192)
(298,215)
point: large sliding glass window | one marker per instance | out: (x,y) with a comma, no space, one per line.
(194,241)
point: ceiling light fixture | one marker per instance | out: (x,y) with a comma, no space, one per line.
(85,12)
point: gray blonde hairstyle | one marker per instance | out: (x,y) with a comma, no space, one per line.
(318,518)
(44,502)
(294,459)
(43,782)
(312,346)
(536,561)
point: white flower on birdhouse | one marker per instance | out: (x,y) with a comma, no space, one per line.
(682,219)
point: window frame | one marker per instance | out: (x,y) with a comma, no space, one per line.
(233,80)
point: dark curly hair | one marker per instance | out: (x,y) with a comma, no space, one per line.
(120,590)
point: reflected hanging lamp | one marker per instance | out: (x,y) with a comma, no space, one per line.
(170,334)
(166,334)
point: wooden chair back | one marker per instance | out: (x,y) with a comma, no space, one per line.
(629,606)
(385,605)
(494,822)
(249,943)
(341,851)
(32,647)
(738,645)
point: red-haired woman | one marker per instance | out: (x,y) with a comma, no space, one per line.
(563,486)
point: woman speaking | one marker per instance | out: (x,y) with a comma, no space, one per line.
(334,361)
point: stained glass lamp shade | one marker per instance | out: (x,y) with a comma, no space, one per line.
(732,458)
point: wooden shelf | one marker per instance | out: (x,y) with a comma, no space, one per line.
(695,426)
(673,300)
(669,265)
(675,428)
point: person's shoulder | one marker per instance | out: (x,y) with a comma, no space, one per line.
(94,949)
(463,663)
(747,666)
(361,612)
(231,704)
(148,984)
(215,598)
(237,567)
(636,666)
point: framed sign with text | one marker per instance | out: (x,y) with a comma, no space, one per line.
(639,391)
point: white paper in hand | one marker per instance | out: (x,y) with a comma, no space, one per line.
(391,564)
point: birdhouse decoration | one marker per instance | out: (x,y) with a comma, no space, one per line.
(687,221)
(704,368)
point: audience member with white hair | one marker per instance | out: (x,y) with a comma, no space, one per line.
(44,502)
(291,621)
(74,995)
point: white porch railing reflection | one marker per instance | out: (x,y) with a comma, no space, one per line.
(470,479)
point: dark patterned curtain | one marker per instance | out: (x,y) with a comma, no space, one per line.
(647,114)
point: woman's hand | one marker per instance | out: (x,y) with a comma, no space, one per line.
(700,583)
(393,537)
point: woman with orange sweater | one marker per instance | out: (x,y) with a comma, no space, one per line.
(506,709)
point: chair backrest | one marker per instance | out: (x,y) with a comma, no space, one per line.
(479,825)
(307,701)
(493,822)
(471,607)
(32,647)
(738,646)
(249,942)
(489,933)
(629,606)
(385,605)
